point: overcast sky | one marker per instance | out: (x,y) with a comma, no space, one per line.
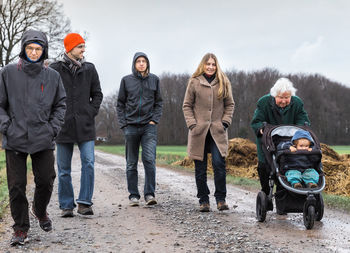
(308,36)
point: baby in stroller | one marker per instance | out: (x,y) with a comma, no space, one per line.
(294,156)
(300,172)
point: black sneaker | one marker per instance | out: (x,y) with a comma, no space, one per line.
(67,213)
(19,237)
(44,222)
(85,209)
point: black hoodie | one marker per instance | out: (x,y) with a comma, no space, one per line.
(32,101)
(139,98)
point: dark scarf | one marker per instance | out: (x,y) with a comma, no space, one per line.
(209,78)
(30,68)
(72,64)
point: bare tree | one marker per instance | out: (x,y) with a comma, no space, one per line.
(106,120)
(17,16)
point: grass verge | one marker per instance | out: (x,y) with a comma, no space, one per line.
(4,195)
(341,149)
(3,184)
(337,202)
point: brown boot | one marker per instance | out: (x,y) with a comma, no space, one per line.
(85,209)
(222,206)
(297,185)
(204,207)
(312,185)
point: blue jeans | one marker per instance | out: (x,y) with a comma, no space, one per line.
(146,135)
(308,176)
(219,168)
(64,164)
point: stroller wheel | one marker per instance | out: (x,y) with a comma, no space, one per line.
(309,216)
(261,204)
(319,208)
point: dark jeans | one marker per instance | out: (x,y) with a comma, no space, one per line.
(44,177)
(219,168)
(146,135)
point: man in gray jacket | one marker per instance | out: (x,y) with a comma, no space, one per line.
(32,108)
(139,109)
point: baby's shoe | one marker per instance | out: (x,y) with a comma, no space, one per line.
(312,185)
(297,185)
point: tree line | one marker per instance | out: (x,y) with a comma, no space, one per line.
(325,101)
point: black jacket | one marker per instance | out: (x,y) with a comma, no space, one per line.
(32,102)
(298,160)
(84,98)
(139,98)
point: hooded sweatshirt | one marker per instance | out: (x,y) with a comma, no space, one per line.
(139,98)
(32,101)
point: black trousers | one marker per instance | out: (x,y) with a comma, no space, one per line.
(44,177)
(264,172)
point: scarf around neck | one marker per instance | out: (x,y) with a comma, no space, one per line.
(72,64)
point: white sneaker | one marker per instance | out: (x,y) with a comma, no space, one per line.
(150,200)
(134,201)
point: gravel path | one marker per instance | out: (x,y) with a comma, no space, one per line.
(175,225)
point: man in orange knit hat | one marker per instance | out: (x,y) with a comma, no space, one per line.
(84,96)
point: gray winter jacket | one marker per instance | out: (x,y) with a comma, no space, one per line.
(139,98)
(32,101)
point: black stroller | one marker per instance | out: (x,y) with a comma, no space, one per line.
(289,199)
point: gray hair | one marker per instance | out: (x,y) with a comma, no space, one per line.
(282,85)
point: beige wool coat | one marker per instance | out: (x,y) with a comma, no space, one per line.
(203,110)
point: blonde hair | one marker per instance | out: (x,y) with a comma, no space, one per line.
(224,84)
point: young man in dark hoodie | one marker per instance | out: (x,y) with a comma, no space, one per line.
(139,109)
(32,108)
(84,97)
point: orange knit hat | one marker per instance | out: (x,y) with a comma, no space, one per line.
(72,40)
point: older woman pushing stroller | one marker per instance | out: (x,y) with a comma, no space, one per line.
(281,106)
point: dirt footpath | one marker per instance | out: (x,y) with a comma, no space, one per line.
(175,225)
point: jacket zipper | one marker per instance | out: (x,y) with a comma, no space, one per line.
(139,120)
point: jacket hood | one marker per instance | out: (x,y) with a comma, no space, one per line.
(302,134)
(31,36)
(134,71)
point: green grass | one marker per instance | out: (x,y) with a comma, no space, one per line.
(117,149)
(4,195)
(341,149)
(246,183)
(338,202)
(3,184)
(165,154)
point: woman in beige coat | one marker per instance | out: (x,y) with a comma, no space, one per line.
(208,107)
